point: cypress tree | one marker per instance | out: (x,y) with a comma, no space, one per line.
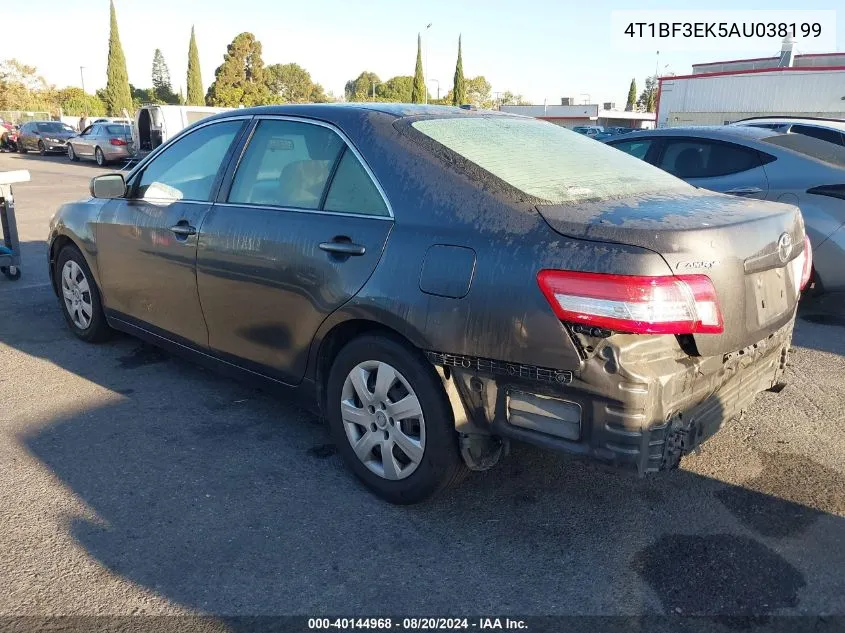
(632,96)
(196,96)
(459,91)
(418,93)
(118,96)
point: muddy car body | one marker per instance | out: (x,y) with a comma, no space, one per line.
(500,270)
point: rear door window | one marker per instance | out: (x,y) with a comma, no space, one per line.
(696,158)
(352,190)
(637,149)
(287,164)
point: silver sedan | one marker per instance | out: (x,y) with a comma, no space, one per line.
(101,142)
(766,164)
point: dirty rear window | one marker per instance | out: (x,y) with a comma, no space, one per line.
(547,161)
(810,147)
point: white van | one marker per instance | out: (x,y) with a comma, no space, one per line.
(155,124)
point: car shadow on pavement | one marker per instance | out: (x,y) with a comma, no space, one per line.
(231,502)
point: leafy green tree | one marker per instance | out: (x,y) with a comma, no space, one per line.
(118,96)
(240,79)
(396,89)
(76,102)
(459,93)
(162,88)
(361,88)
(143,96)
(632,96)
(21,88)
(419,91)
(181,96)
(509,98)
(291,83)
(647,100)
(195,94)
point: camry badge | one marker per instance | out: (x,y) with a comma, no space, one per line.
(784,247)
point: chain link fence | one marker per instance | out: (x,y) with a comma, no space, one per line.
(19,116)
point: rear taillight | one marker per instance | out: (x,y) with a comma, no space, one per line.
(686,304)
(832,191)
(117,141)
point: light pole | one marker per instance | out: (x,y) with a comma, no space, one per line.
(425,70)
(82,77)
(438,87)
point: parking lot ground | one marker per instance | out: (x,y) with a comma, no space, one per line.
(134,482)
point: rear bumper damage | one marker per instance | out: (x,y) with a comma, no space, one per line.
(637,402)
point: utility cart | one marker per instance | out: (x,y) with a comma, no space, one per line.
(10,247)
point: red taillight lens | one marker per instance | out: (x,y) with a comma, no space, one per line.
(685,304)
(118,141)
(807,268)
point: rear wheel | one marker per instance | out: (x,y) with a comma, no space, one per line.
(99,157)
(42,149)
(391,420)
(80,297)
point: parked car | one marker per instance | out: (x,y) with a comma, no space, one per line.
(589,130)
(101,142)
(44,137)
(438,282)
(830,130)
(766,164)
(155,124)
(112,120)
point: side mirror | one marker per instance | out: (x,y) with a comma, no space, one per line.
(108,186)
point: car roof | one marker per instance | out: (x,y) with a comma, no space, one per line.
(327,111)
(724,132)
(825,123)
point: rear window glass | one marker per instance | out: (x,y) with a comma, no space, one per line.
(117,129)
(810,147)
(547,161)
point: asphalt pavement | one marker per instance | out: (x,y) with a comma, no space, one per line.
(132,482)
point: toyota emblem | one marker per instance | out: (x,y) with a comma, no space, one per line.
(784,247)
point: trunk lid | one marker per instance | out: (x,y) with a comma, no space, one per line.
(746,247)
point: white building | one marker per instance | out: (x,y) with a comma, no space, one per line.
(590,114)
(723,92)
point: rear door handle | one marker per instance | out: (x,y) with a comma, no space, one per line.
(744,191)
(343,248)
(183,230)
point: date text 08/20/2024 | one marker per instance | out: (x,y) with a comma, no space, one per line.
(416,624)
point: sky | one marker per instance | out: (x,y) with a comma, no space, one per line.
(542,49)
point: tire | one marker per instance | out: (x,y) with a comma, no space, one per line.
(99,157)
(12,273)
(42,149)
(71,271)
(431,435)
(21,148)
(71,154)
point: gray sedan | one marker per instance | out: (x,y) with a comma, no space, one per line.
(765,164)
(101,142)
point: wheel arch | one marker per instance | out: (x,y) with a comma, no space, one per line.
(335,335)
(56,245)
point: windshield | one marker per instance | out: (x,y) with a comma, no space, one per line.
(814,148)
(54,127)
(547,161)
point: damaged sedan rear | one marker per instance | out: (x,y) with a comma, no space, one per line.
(439,282)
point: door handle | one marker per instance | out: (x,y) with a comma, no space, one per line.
(343,248)
(744,191)
(183,230)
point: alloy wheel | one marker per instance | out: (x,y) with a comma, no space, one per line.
(76,292)
(98,155)
(383,420)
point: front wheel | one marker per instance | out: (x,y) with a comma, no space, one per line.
(99,157)
(42,149)
(80,297)
(392,421)
(21,148)
(71,154)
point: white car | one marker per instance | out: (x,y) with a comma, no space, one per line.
(830,130)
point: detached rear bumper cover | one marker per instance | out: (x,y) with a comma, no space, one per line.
(643,401)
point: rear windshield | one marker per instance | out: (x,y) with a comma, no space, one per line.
(547,161)
(118,129)
(811,147)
